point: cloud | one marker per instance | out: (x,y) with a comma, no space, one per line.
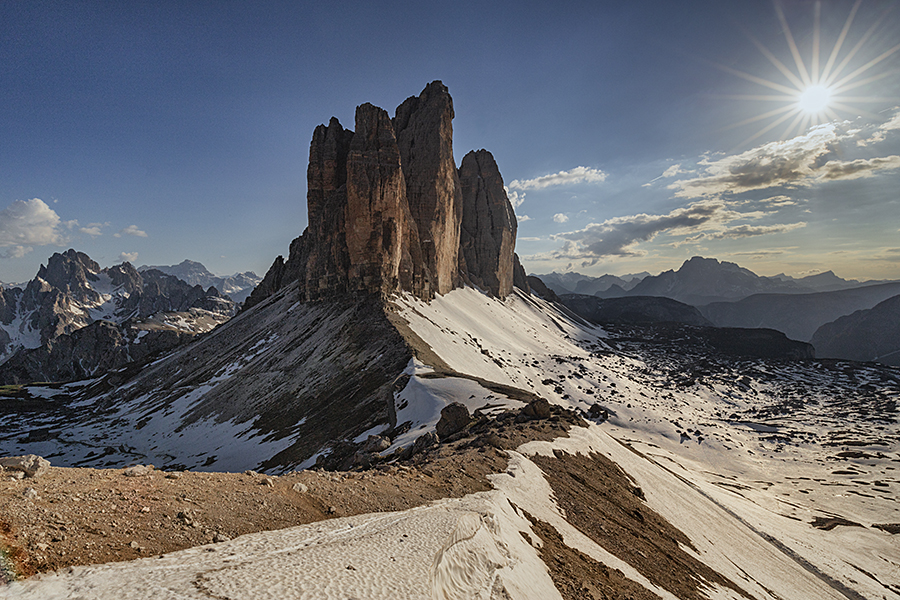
(744,231)
(799,162)
(529,239)
(131,230)
(616,237)
(560,218)
(523,218)
(880,134)
(93,229)
(673,171)
(572,176)
(856,169)
(515,198)
(128,257)
(27,223)
(789,163)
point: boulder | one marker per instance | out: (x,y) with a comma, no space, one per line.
(454,417)
(537,409)
(376,443)
(30,464)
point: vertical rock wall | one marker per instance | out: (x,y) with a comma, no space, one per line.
(388,212)
(488,230)
(424,128)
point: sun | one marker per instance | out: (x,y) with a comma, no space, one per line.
(823,88)
(814,100)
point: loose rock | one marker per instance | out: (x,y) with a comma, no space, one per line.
(31,465)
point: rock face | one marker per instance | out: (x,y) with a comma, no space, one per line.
(424,130)
(386,210)
(488,231)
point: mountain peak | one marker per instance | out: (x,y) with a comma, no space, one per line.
(411,224)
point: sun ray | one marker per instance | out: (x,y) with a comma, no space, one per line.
(771,125)
(840,42)
(795,123)
(817,22)
(866,67)
(853,110)
(778,64)
(752,78)
(795,52)
(849,57)
(761,117)
(756,97)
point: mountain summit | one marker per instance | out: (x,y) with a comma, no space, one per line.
(389,211)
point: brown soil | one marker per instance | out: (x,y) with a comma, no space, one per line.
(577,576)
(85,516)
(600,500)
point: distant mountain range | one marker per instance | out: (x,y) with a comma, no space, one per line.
(576,283)
(237,286)
(75,318)
(728,295)
(866,335)
(698,281)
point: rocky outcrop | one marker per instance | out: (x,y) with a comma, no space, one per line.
(386,210)
(424,131)
(488,231)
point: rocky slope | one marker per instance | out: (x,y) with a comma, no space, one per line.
(872,334)
(125,316)
(237,286)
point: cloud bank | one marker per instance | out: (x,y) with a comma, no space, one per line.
(799,162)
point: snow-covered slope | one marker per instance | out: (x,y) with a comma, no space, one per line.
(741,456)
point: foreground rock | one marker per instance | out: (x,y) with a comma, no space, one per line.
(31,464)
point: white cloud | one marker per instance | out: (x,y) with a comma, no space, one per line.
(93,229)
(515,198)
(673,171)
(859,168)
(560,218)
(523,218)
(880,134)
(799,162)
(128,257)
(572,176)
(27,223)
(131,230)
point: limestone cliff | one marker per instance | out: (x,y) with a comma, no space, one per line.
(488,230)
(424,130)
(387,211)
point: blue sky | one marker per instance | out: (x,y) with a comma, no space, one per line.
(627,132)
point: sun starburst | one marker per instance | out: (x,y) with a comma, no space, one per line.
(813,92)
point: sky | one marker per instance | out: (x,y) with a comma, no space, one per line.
(631,135)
